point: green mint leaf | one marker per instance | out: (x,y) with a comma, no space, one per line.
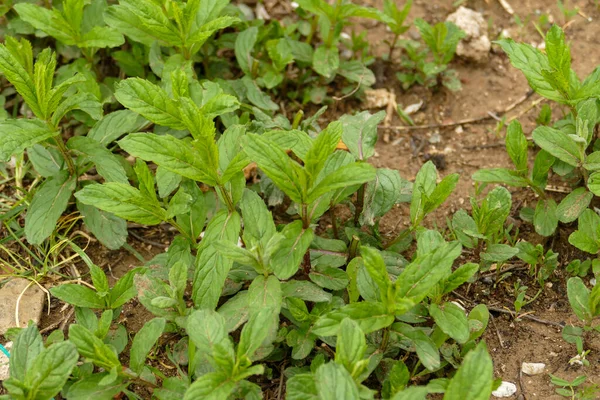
(348,175)
(26,347)
(276,164)
(357,71)
(572,206)
(150,101)
(334,382)
(360,133)
(545,218)
(258,221)
(326,61)
(78,295)
(452,320)
(107,164)
(211,266)
(173,154)
(124,201)
(137,16)
(92,348)
(516,146)
(500,175)
(257,331)
(85,102)
(579,298)
(50,370)
(244,44)
(114,125)
(46,161)
(499,253)
(110,230)
(18,134)
(587,235)
(101,37)
(329,278)
(210,386)
(51,22)
(531,62)
(370,317)
(286,260)
(474,378)
(559,144)
(43,214)
(143,342)
(351,344)
(206,329)
(425,347)
(16,63)
(323,146)
(89,388)
(420,276)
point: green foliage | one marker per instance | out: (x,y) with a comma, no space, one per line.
(153,114)
(429,67)
(565,147)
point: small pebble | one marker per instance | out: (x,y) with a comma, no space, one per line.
(533,368)
(435,138)
(4,375)
(593,281)
(506,389)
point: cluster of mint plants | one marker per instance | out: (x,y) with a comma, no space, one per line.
(262,280)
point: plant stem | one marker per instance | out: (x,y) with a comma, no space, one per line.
(297,119)
(385,340)
(360,200)
(181,230)
(136,379)
(392,47)
(334,222)
(398,239)
(313,29)
(305,219)
(227,198)
(353,247)
(65,153)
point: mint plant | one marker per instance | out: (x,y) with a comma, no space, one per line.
(564,147)
(77,24)
(429,66)
(275,250)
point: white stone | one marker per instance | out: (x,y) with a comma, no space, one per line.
(593,281)
(476,45)
(4,375)
(413,108)
(31,303)
(506,389)
(533,368)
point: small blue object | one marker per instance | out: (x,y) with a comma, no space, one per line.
(3,349)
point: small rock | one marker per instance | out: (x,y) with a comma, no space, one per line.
(413,108)
(593,281)
(533,368)
(506,389)
(459,129)
(378,98)
(261,12)
(435,138)
(4,375)
(476,45)
(31,304)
